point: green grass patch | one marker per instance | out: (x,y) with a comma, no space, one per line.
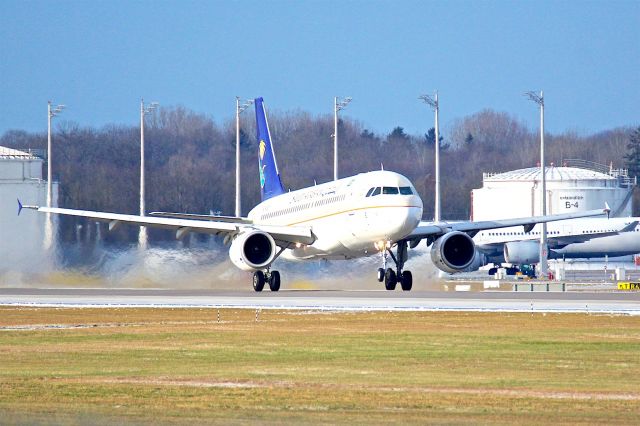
(166,366)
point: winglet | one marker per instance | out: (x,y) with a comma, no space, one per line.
(22,206)
(607,209)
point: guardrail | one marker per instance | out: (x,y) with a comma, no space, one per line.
(621,174)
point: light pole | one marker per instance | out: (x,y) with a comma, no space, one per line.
(240,107)
(48,223)
(142,236)
(339,104)
(51,112)
(539,99)
(433,103)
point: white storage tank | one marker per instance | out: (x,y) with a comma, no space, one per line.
(21,238)
(568,189)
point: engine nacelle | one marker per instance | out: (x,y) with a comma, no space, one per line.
(453,252)
(522,252)
(253,250)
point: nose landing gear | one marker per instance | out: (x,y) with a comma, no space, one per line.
(391,277)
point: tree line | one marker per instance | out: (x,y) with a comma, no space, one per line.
(190,159)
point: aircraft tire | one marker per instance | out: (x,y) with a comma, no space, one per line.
(407,281)
(274,281)
(380,275)
(258,281)
(390,279)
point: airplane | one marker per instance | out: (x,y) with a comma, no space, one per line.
(579,238)
(363,215)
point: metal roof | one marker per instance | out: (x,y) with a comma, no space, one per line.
(551,174)
(11,154)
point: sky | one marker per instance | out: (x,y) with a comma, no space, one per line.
(101,57)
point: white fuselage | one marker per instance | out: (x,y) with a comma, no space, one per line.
(348,217)
(613,244)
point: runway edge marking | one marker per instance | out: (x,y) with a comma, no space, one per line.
(526,309)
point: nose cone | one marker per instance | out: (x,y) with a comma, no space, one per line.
(406,219)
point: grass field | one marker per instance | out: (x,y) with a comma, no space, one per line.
(164,366)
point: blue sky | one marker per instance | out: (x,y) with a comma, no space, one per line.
(101,57)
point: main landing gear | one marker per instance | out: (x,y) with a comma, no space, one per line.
(391,277)
(271,277)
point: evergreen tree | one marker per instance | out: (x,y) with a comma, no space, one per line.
(468,140)
(366,134)
(430,139)
(632,157)
(398,133)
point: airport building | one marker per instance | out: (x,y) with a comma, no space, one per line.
(574,187)
(22,238)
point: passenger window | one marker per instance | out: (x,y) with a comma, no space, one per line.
(406,190)
(370,192)
(390,190)
(375,192)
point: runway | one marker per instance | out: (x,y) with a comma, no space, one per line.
(495,301)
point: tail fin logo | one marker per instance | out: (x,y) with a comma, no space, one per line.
(263,148)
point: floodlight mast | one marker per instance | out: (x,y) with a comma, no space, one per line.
(51,112)
(142,235)
(240,107)
(339,104)
(433,103)
(48,232)
(539,99)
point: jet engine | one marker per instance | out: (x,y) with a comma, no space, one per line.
(252,250)
(453,252)
(522,252)
(479,260)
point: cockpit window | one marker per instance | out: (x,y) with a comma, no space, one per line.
(375,192)
(369,192)
(406,190)
(390,190)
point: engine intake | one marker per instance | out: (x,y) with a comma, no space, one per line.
(252,250)
(453,252)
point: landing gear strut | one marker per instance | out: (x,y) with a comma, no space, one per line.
(271,277)
(391,277)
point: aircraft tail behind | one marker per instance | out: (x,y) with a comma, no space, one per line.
(270,183)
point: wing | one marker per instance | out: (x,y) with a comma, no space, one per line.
(283,235)
(232,219)
(562,241)
(431,229)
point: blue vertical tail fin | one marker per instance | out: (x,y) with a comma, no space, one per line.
(270,183)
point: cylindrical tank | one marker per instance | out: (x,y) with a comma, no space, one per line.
(569,189)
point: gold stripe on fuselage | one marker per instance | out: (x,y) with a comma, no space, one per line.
(340,212)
